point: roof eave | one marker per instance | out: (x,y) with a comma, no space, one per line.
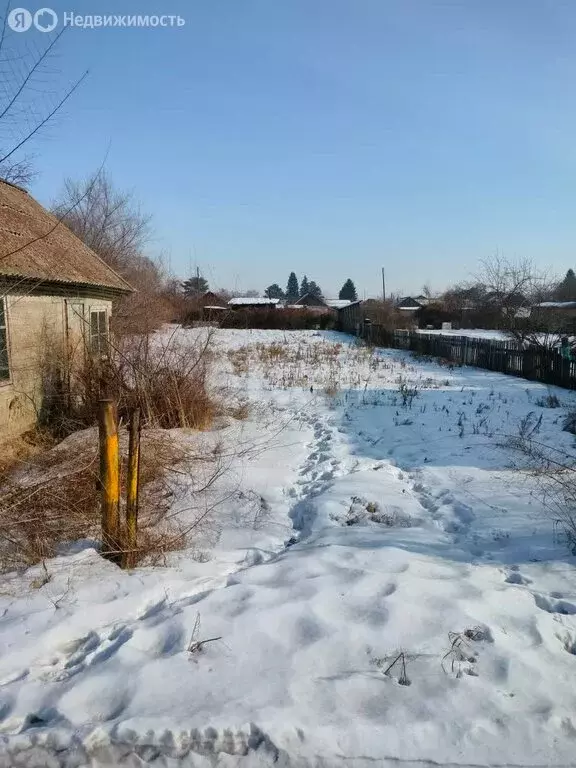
(26,281)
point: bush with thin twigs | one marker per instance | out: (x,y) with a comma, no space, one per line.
(53,498)
(408,392)
(553,473)
(569,424)
(166,379)
(549,401)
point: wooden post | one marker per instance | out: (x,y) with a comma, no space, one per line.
(132,486)
(109,478)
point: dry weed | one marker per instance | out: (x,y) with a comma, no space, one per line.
(52,499)
(323,365)
(165,377)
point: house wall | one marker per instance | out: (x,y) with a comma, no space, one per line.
(39,325)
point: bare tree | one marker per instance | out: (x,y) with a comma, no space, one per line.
(108,220)
(20,172)
(28,101)
(111,223)
(509,290)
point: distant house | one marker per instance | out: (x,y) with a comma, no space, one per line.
(314,304)
(211,306)
(56,294)
(563,306)
(211,300)
(310,300)
(556,312)
(408,306)
(253,302)
(338,303)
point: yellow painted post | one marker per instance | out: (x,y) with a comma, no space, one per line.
(132,487)
(109,479)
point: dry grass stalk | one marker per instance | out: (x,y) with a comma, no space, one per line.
(196,645)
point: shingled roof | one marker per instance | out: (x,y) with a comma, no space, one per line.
(34,245)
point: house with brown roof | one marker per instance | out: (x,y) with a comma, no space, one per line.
(55,298)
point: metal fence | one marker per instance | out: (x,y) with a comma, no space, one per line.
(535,363)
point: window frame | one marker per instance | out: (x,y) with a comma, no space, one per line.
(4,327)
(99,341)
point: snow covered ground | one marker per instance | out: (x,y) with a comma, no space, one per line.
(472,333)
(397,597)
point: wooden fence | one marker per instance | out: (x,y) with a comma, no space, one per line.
(535,363)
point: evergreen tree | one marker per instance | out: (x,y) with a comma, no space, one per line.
(304,286)
(348,291)
(314,289)
(566,290)
(274,292)
(194,286)
(292,290)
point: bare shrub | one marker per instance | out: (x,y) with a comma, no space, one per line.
(461,655)
(569,424)
(553,472)
(407,392)
(158,373)
(362,511)
(239,411)
(287,319)
(529,426)
(331,389)
(53,499)
(548,401)
(167,380)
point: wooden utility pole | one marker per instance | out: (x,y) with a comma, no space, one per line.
(109,478)
(132,487)
(383,285)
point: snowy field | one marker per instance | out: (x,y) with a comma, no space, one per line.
(397,594)
(471,333)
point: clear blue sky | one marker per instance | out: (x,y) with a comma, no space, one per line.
(332,136)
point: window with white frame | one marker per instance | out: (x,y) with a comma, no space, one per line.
(4,361)
(99,332)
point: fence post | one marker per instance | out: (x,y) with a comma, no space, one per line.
(132,487)
(109,478)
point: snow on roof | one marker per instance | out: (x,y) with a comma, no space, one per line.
(557,304)
(239,300)
(337,303)
(215,306)
(409,302)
